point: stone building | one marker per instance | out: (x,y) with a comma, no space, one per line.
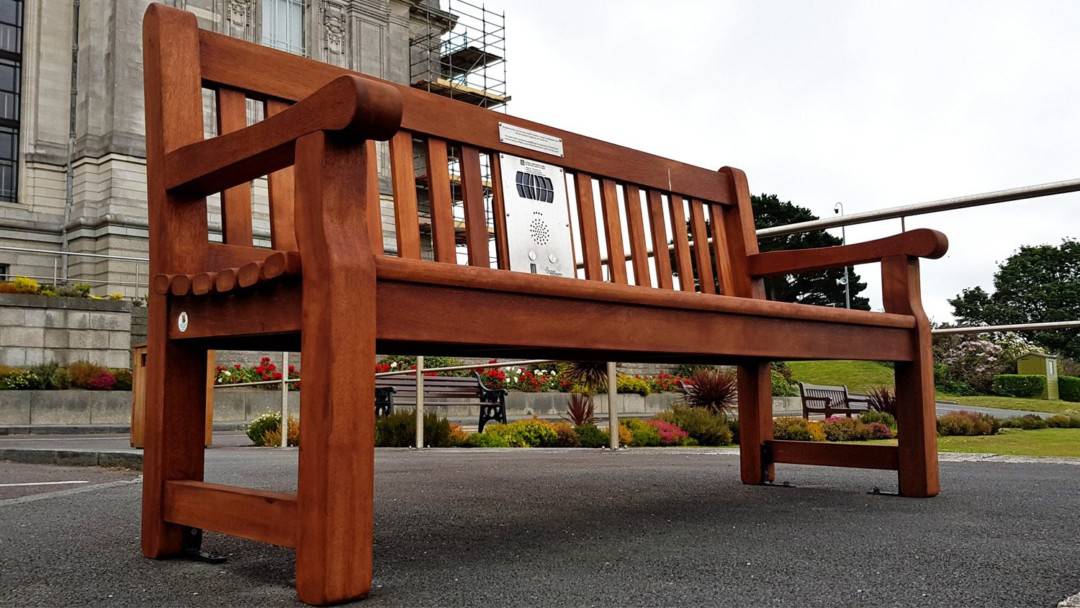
(72,159)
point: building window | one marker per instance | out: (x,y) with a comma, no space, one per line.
(283,25)
(11,22)
(5,272)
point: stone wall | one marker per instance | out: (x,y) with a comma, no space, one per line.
(38,329)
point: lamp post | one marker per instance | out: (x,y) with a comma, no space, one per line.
(838,208)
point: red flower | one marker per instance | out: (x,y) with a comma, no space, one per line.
(277,376)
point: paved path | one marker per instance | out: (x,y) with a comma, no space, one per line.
(588,527)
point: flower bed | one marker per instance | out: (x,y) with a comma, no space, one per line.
(52,377)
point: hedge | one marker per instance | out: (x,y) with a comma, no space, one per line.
(1069,388)
(1019,385)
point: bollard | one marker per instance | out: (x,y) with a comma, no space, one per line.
(613,415)
(419,402)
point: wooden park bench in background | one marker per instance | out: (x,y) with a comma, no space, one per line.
(829,400)
(441,391)
(326,288)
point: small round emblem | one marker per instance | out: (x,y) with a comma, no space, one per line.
(182,322)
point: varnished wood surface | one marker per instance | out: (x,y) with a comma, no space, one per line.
(269,517)
(835,454)
(360,107)
(921,242)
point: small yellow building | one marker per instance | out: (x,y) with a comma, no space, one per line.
(1041,364)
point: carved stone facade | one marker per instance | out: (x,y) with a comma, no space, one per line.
(105,210)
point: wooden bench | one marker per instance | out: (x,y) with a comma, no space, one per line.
(829,400)
(441,391)
(325,287)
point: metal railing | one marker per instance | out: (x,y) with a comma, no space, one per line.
(57,275)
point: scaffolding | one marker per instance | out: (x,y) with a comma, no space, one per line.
(460,52)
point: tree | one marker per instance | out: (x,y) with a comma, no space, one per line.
(824,287)
(1037,284)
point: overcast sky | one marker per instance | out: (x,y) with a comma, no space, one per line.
(874,104)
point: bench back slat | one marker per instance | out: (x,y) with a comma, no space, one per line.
(472,195)
(236,201)
(498,208)
(282,196)
(635,225)
(406,217)
(613,233)
(682,245)
(442,211)
(590,239)
(701,246)
(659,235)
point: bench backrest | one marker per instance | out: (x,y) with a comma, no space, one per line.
(450,149)
(813,395)
(438,387)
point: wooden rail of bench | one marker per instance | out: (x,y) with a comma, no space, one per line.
(328,285)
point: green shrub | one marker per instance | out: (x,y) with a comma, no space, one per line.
(1069,388)
(1019,385)
(83,373)
(1059,421)
(532,433)
(567,437)
(487,440)
(261,425)
(967,423)
(871,416)
(633,385)
(846,429)
(644,434)
(15,379)
(703,426)
(592,436)
(792,428)
(123,379)
(1029,422)
(398,430)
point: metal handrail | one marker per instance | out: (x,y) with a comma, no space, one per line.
(978,329)
(76,254)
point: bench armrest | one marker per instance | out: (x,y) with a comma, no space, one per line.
(485,391)
(922,243)
(351,105)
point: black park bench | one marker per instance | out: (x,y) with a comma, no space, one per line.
(441,391)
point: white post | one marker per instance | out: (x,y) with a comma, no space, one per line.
(420,402)
(613,415)
(284,399)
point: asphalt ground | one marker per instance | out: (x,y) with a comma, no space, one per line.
(589,528)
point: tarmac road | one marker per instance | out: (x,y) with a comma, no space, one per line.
(583,528)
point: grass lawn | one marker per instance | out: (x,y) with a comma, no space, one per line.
(1013,403)
(1010,442)
(858,376)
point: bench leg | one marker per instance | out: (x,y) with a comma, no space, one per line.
(916,404)
(174,428)
(916,419)
(337,432)
(755,422)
